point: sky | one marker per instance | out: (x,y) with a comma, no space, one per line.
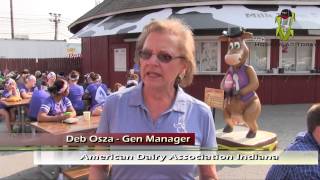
(31,17)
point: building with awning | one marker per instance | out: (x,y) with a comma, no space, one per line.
(109,32)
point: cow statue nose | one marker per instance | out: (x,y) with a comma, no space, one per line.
(232,59)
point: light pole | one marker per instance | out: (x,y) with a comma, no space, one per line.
(11,19)
(56,20)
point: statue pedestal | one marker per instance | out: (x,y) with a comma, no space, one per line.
(236,140)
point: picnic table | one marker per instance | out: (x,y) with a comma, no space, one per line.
(59,128)
(19,105)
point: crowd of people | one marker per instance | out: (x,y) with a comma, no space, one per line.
(55,96)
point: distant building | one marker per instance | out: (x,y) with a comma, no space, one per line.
(25,48)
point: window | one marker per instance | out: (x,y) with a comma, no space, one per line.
(207,56)
(259,56)
(297,56)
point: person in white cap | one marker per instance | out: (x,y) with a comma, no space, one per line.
(51,78)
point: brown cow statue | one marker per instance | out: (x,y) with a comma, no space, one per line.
(240,84)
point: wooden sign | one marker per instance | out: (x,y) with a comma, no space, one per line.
(214,97)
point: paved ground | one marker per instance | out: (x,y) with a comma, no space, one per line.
(284,120)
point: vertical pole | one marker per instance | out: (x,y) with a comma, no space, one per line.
(11,18)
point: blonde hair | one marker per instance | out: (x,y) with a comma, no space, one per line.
(186,44)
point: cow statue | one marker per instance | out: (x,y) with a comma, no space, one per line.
(240,83)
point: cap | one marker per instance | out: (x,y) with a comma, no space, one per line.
(132,82)
(51,75)
(233,32)
(285,13)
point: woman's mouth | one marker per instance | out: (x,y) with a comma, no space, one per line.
(153,74)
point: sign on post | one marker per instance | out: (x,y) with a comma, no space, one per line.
(214,97)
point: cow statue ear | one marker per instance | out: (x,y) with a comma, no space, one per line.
(246,35)
(223,38)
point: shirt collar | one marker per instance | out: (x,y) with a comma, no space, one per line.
(179,105)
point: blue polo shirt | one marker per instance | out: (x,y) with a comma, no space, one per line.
(37,99)
(75,95)
(125,112)
(52,108)
(98,93)
(303,142)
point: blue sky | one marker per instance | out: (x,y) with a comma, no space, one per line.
(31,17)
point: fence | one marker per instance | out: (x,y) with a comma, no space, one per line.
(47,64)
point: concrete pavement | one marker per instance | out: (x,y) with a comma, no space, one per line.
(284,120)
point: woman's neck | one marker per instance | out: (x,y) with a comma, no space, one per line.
(158,100)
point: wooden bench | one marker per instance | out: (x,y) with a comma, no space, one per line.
(77,172)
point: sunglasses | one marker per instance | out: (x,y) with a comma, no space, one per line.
(162,56)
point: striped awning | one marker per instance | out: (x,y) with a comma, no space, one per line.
(205,18)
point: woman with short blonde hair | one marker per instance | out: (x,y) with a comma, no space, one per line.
(186,44)
(165,53)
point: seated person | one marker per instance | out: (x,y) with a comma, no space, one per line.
(38,76)
(54,108)
(76,92)
(306,141)
(131,83)
(118,87)
(28,87)
(10,91)
(22,76)
(37,100)
(96,91)
(133,80)
(51,78)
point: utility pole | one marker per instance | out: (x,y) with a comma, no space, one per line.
(11,18)
(56,20)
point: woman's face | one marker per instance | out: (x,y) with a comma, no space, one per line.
(154,72)
(10,86)
(31,83)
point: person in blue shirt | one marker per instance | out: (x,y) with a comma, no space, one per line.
(305,141)
(76,92)
(28,87)
(54,107)
(37,99)
(158,104)
(11,90)
(51,78)
(96,91)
